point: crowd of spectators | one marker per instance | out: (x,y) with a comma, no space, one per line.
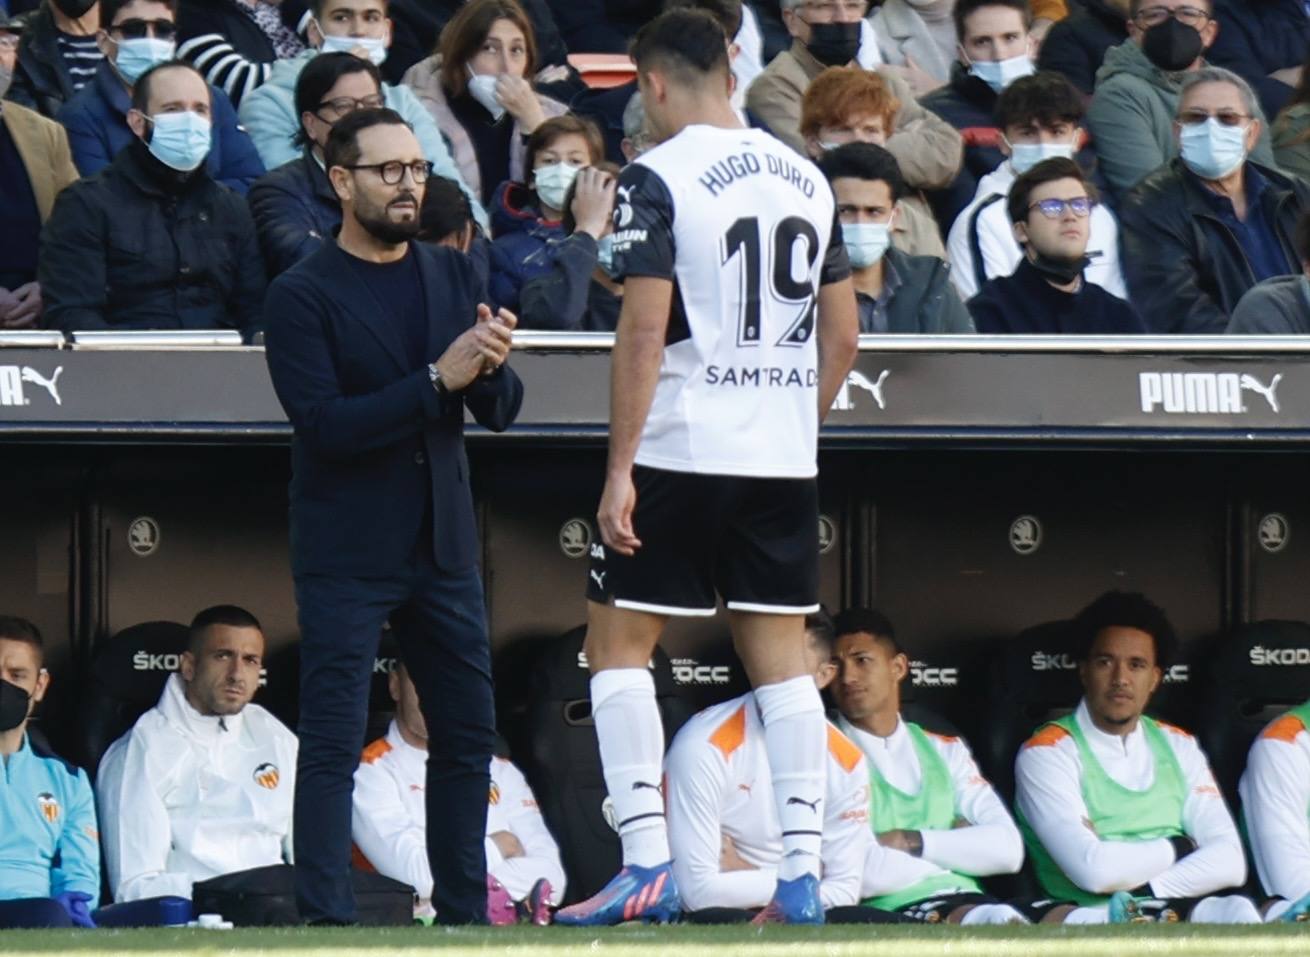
(161,160)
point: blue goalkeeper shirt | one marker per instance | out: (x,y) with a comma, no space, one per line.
(48,838)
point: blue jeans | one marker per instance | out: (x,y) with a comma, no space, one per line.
(439,620)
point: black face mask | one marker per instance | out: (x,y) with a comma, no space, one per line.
(14,702)
(74,9)
(1059,270)
(834,44)
(1172,46)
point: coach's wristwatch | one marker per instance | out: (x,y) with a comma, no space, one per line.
(434,374)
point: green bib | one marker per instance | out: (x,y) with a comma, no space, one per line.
(1117,813)
(932,809)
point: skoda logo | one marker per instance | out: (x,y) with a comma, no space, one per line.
(143,536)
(1025,534)
(575,537)
(1273,532)
(827,534)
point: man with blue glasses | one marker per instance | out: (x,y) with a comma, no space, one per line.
(1050,209)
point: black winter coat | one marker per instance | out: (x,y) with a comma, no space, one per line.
(1258,38)
(140,246)
(41,78)
(1076,45)
(1178,278)
(295,212)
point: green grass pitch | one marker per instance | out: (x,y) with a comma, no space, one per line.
(685,941)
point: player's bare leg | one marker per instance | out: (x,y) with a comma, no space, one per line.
(772,647)
(629,730)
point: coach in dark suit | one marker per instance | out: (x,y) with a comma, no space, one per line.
(382,522)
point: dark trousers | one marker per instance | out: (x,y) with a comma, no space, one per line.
(440,623)
(33,912)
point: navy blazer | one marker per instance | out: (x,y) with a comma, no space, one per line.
(373,439)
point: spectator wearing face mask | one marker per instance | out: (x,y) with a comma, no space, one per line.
(152,242)
(831,34)
(1040,118)
(1050,210)
(57,54)
(1131,117)
(527,218)
(138,34)
(994,50)
(478,87)
(894,291)
(578,292)
(850,105)
(360,27)
(1202,230)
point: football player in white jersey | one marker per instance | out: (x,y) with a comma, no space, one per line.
(738,328)
(1275,789)
(723,830)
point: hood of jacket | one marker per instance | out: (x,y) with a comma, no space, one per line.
(1128,60)
(514,210)
(285,73)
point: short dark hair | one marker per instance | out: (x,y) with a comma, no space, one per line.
(343,142)
(727,13)
(1125,610)
(686,43)
(13,628)
(567,220)
(1044,98)
(819,628)
(967,8)
(1047,171)
(867,621)
(231,616)
(110,8)
(319,76)
(446,210)
(1301,237)
(557,126)
(863,161)
(141,91)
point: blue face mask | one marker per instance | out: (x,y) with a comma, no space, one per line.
(137,55)
(605,254)
(1212,150)
(180,140)
(866,242)
(998,74)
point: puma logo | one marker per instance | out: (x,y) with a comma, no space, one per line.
(858,380)
(638,785)
(812,805)
(50,385)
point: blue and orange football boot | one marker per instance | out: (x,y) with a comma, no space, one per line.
(794,902)
(647,894)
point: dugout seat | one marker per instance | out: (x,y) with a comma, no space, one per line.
(1254,676)
(125,680)
(1034,678)
(564,761)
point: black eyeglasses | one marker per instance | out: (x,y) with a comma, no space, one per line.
(138,29)
(1189,16)
(1225,117)
(394,171)
(1054,208)
(341,105)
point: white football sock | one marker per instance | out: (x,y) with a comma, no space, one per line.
(796,737)
(1088,915)
(1276,910)
(631,738)
(993,914)
(1225,910)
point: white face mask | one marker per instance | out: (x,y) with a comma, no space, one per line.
(482,87)
(1212,150)
(1024,156)
(376,47)
(866,242)
(552,183)
(998,74)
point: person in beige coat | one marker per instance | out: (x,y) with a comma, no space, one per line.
(478,88)
(927,148)
(42,149)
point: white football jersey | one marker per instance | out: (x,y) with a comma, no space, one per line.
(747,232)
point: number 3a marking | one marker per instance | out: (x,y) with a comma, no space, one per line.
(744,237)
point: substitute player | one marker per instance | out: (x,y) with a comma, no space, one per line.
(1117,807)
(738,328)
(1275,791)
(723,829)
